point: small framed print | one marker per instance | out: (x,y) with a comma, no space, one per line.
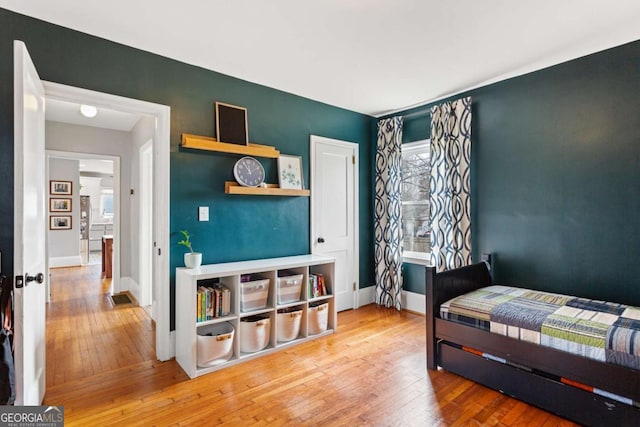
(60,222)
(290,172)
(60,188)
(59,204)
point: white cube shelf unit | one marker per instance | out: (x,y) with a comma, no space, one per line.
(189,280)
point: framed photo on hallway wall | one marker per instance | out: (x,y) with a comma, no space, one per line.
(59,204)
(60,222)
(60,188)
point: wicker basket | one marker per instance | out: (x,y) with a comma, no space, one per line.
(254,333)
(215,344)
(318,317)
(288,325)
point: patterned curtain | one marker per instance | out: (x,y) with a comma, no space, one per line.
(449,186)
(388,213)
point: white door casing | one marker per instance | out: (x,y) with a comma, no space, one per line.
(30,250)
(165,341)
(334,213)
(145,225)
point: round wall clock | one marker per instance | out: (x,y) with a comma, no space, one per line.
(248,172)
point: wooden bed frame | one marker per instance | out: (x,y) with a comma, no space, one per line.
(445,338)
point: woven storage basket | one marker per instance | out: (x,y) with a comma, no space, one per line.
(253,294)
(215,344)
(318,317)
(288,325)
(254,333)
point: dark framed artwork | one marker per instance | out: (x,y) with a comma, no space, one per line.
(60,222)
(231,124)
(60,204)
(60,188)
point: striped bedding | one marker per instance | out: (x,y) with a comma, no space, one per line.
(598,330)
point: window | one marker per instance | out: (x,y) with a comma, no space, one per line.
(106,203)
(416,170)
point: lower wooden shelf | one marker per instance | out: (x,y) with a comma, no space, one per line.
(232,187)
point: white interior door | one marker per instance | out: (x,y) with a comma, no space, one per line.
(29,230)
(334,213)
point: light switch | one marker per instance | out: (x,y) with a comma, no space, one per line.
(203,213)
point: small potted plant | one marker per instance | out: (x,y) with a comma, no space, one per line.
(191,259)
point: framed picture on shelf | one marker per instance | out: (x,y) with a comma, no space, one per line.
(290,172)
(59,204)
(60,222)
(231,124)
(60,188)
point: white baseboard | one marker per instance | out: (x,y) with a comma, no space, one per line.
(65,261)
(411,301)
(172,344)
(366,296)
(128,284)
(414,302)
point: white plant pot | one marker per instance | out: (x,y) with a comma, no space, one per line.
(193,259)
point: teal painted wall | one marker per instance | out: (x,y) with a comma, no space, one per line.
(241,227)
(416,126)
(413,277)
(555,173)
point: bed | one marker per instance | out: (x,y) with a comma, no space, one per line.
(577,387)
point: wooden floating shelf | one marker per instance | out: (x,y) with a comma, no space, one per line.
(211,144)
(232,187)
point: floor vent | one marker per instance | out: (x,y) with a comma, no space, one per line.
(121,299)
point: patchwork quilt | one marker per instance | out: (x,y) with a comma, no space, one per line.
(598,330)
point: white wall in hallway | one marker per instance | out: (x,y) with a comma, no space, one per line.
(64,245)
(141,133)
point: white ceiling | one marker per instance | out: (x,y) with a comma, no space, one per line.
(372,56)
(69,112)
(96,166)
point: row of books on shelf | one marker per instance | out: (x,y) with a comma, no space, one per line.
(213,302)
(317,286)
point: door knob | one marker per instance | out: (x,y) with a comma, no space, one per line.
(320,240)
(38,278)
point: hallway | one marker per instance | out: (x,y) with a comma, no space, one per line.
(86,333)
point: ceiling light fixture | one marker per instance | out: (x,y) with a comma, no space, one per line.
(88,110)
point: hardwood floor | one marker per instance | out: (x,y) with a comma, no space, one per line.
(86,333)
(372,372)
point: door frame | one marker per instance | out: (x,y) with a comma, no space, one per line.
(117,194)
(165,347)
(314,140)
(145,275)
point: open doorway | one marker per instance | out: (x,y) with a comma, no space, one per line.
(99,198)
(151,130)
(94,207)
(32,211)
